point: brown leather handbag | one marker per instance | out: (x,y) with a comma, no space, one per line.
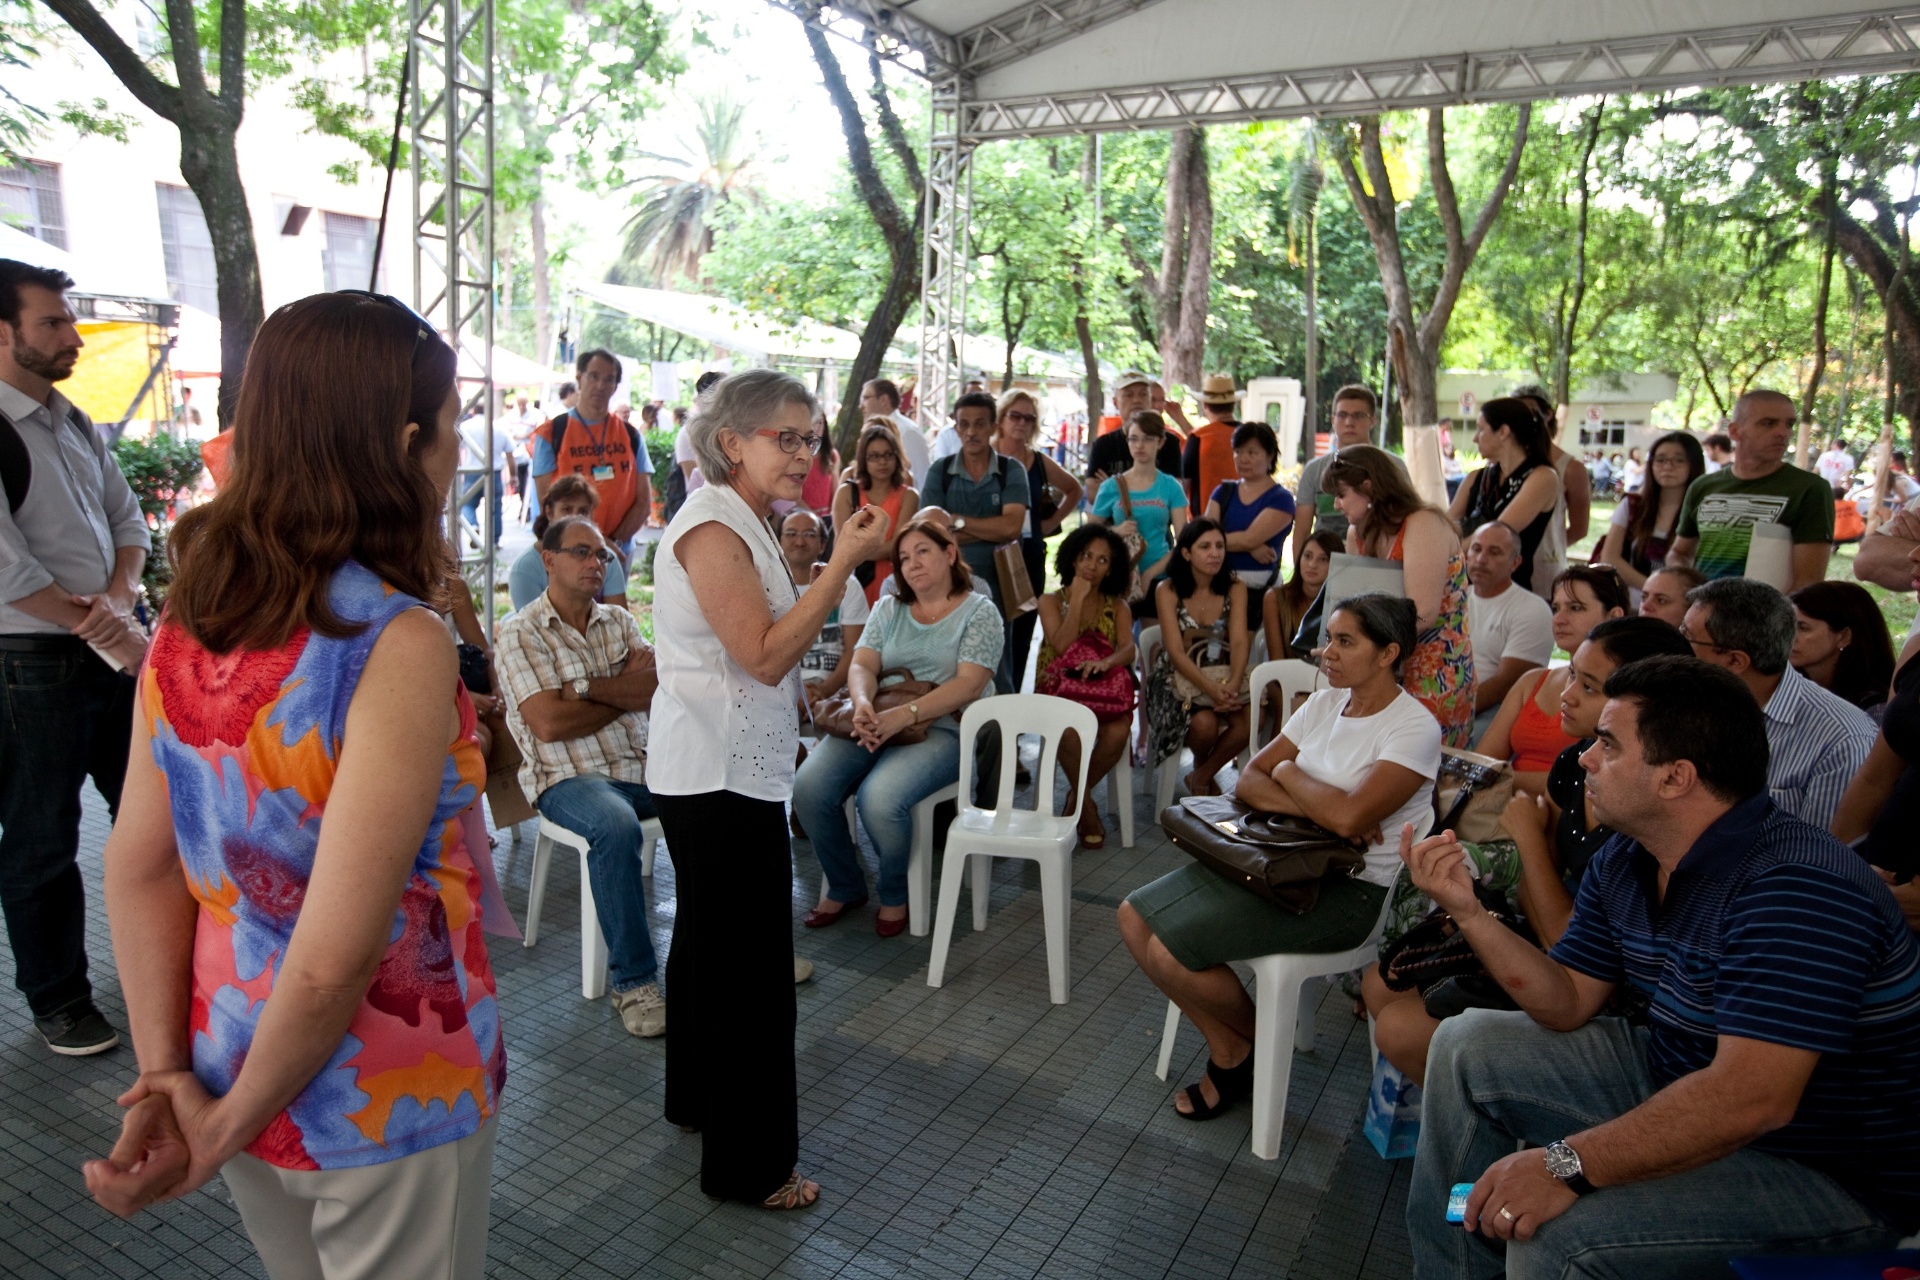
(1280,857)
(836,713)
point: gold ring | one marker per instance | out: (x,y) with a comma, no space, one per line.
(1507,1214)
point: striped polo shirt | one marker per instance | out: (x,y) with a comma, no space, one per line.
(1773,930)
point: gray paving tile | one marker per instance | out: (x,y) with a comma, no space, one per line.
(976,1130)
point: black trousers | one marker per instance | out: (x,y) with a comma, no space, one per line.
(730,1069)
(65,716)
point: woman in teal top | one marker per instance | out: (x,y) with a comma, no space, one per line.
(939,631)
(1143,499)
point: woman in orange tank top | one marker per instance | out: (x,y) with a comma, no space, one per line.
(1527,729)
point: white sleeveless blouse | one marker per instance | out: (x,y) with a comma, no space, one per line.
(716,727)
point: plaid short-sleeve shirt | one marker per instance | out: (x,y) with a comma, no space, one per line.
(535,650)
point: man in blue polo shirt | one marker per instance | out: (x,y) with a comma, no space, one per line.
(986,495)
(1771,1104)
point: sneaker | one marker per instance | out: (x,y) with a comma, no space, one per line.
(802,969)
(77,1031)
(643,1011)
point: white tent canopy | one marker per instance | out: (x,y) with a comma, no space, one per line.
(1065,66)
(726,324)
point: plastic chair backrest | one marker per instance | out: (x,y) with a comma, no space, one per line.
(1034,714)
(1149,649)
(1293,676)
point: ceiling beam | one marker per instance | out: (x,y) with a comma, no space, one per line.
(1036,25)
(1884,41)
(895,33)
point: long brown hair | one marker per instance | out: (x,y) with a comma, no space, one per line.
(880,429)
(319,476)
(1374,472)
(960,578)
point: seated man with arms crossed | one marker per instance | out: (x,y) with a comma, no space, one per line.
(578,679)
(1773,1103)
(1512,628)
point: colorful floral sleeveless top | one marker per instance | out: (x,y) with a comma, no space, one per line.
(249,742)
(1440,672)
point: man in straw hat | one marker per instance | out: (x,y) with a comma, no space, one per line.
(1208,457)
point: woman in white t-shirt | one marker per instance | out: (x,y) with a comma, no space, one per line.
(1359,759)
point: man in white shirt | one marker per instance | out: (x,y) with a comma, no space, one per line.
(1512,629)
(1835,465)
(1816,741)
(881,399)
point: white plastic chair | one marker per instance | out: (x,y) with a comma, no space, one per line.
(981,835)
(1277,981)
(593,943)
(919,861)
(1119,782)
(1294,678)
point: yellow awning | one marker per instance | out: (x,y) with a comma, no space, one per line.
(113,364)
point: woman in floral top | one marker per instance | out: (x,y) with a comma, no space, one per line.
(1389,522)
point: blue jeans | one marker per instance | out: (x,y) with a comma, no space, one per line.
(1497,1077)
(889,783)
(608,814)
(473,490)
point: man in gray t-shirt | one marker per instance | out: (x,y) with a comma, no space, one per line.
(1355,410)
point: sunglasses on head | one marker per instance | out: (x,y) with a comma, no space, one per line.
(422,330)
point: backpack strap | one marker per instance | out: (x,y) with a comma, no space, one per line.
(16,464)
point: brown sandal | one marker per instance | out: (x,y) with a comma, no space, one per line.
(795,1193)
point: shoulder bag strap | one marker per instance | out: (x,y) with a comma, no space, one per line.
(16,464)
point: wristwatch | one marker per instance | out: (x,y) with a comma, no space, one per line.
(580,686)
(1563,1162)
(959,523)
(913,709)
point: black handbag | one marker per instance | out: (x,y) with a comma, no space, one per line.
(1277,856)
(1436,957)
(474,672)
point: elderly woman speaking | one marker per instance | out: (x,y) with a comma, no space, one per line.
(730,628)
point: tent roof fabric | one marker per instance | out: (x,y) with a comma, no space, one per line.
(726,324)
(1037,67)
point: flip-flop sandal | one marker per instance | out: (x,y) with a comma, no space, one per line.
(792,1194)
(1231,1083)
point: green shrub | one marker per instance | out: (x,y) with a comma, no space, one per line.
(159,469)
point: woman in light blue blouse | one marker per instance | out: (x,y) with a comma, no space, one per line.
(1143,499)
(939,631)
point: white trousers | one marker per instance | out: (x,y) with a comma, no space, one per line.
(421,1217)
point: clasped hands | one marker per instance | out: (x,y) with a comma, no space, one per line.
(872,729)
(110,627)
(169,1144)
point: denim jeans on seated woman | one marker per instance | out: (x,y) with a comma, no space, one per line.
(608,814)
(888,784)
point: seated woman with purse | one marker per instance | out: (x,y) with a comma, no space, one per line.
(1197,690)
(893,744)
(1086,653)
(1556,835)
(1359,760)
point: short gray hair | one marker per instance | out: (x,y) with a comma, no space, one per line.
(742,403)
(1749,616)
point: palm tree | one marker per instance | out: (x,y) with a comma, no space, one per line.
(671,229)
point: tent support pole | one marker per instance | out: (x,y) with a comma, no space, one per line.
(943,306)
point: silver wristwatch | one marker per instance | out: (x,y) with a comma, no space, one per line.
(959,523)
(1563,1162)
(580,686)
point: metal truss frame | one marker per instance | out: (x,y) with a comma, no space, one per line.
(1884,41)
(943,294)
(1032,27)
(452,154)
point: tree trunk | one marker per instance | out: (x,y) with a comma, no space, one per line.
(542,282)
(1563,358)
(1312,389)
(1082,322)
(901,233)
(1413,343)
(211,166)
(1180,291)
(207,121)
(1804,446)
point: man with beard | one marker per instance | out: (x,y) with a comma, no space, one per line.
(72,545)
